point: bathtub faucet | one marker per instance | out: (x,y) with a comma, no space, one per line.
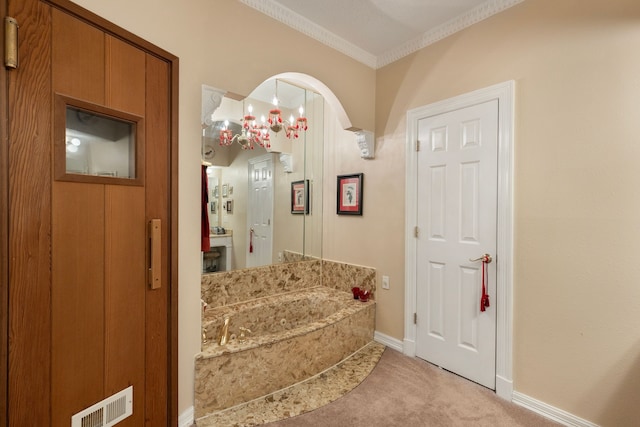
(243,330)
(224,331)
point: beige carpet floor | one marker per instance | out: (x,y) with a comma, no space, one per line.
(404,391)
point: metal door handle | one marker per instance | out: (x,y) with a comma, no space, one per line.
(484,258)
(155,254)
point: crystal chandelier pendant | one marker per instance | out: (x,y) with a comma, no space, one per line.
(253,133)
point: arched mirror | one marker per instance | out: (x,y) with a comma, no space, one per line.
(263,160)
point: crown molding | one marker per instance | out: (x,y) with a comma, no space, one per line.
(311,29)
(453,26)
(321,34)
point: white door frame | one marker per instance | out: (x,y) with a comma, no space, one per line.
(504,93)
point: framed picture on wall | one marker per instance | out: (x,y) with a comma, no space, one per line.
(349,194)
(300,197)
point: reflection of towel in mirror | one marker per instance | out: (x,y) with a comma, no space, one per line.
(204,223)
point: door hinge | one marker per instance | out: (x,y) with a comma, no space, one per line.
(415,318)
(10,42)
(416,232)
(418,145)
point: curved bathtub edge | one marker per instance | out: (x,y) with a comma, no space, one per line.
(315,392)
(248,374)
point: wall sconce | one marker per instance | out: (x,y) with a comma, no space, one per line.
(366,144)
(287,162)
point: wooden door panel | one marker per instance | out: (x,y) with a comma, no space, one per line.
(125,76)
(82,323)
(79,58)
(124,295)
(77,311)
(29,219)
(125,87)
(157,203)
(4,235)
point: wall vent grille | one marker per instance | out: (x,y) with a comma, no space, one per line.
(106,413)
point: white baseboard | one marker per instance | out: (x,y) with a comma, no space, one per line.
(409,348)
(390,342)
(504,388)
(186,418)
(551,412)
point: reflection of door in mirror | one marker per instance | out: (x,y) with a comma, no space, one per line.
(278,235)
(260,211)
(213,180)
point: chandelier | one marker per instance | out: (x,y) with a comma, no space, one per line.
(253,133)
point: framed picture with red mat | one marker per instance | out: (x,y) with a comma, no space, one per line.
(349,194)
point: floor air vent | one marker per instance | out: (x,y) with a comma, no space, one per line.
(107,413)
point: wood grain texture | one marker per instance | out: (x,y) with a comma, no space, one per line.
(125,84)
(4,235)
(173,239)
(78,55)
(157,206)
(125,272)
(78,293)
(125,76)
(29,219)
(124,296)
(55,277)
(78,288)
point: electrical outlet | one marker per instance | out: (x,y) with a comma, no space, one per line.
(385,282)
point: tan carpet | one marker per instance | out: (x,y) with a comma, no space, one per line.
(404,391)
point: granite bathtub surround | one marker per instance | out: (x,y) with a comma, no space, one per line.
(242,371)
(230,287)
(298,319)
(274,315)
(343,276)
(235,286)
(303,397)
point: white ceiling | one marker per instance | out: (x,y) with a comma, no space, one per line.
(378,32)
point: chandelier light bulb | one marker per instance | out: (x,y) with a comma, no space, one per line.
(275,101)
(301,110)
(250,109)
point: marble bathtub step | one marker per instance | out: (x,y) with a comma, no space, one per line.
(303,397)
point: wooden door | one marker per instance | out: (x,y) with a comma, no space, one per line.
(4,235)
(83,321)
(457,211)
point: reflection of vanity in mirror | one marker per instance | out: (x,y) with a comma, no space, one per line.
(254,187)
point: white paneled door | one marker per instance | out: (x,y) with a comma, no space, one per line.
(457,216)
(260,212)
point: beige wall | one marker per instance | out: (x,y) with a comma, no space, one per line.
(577,71)
(577,144)
(223,44)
